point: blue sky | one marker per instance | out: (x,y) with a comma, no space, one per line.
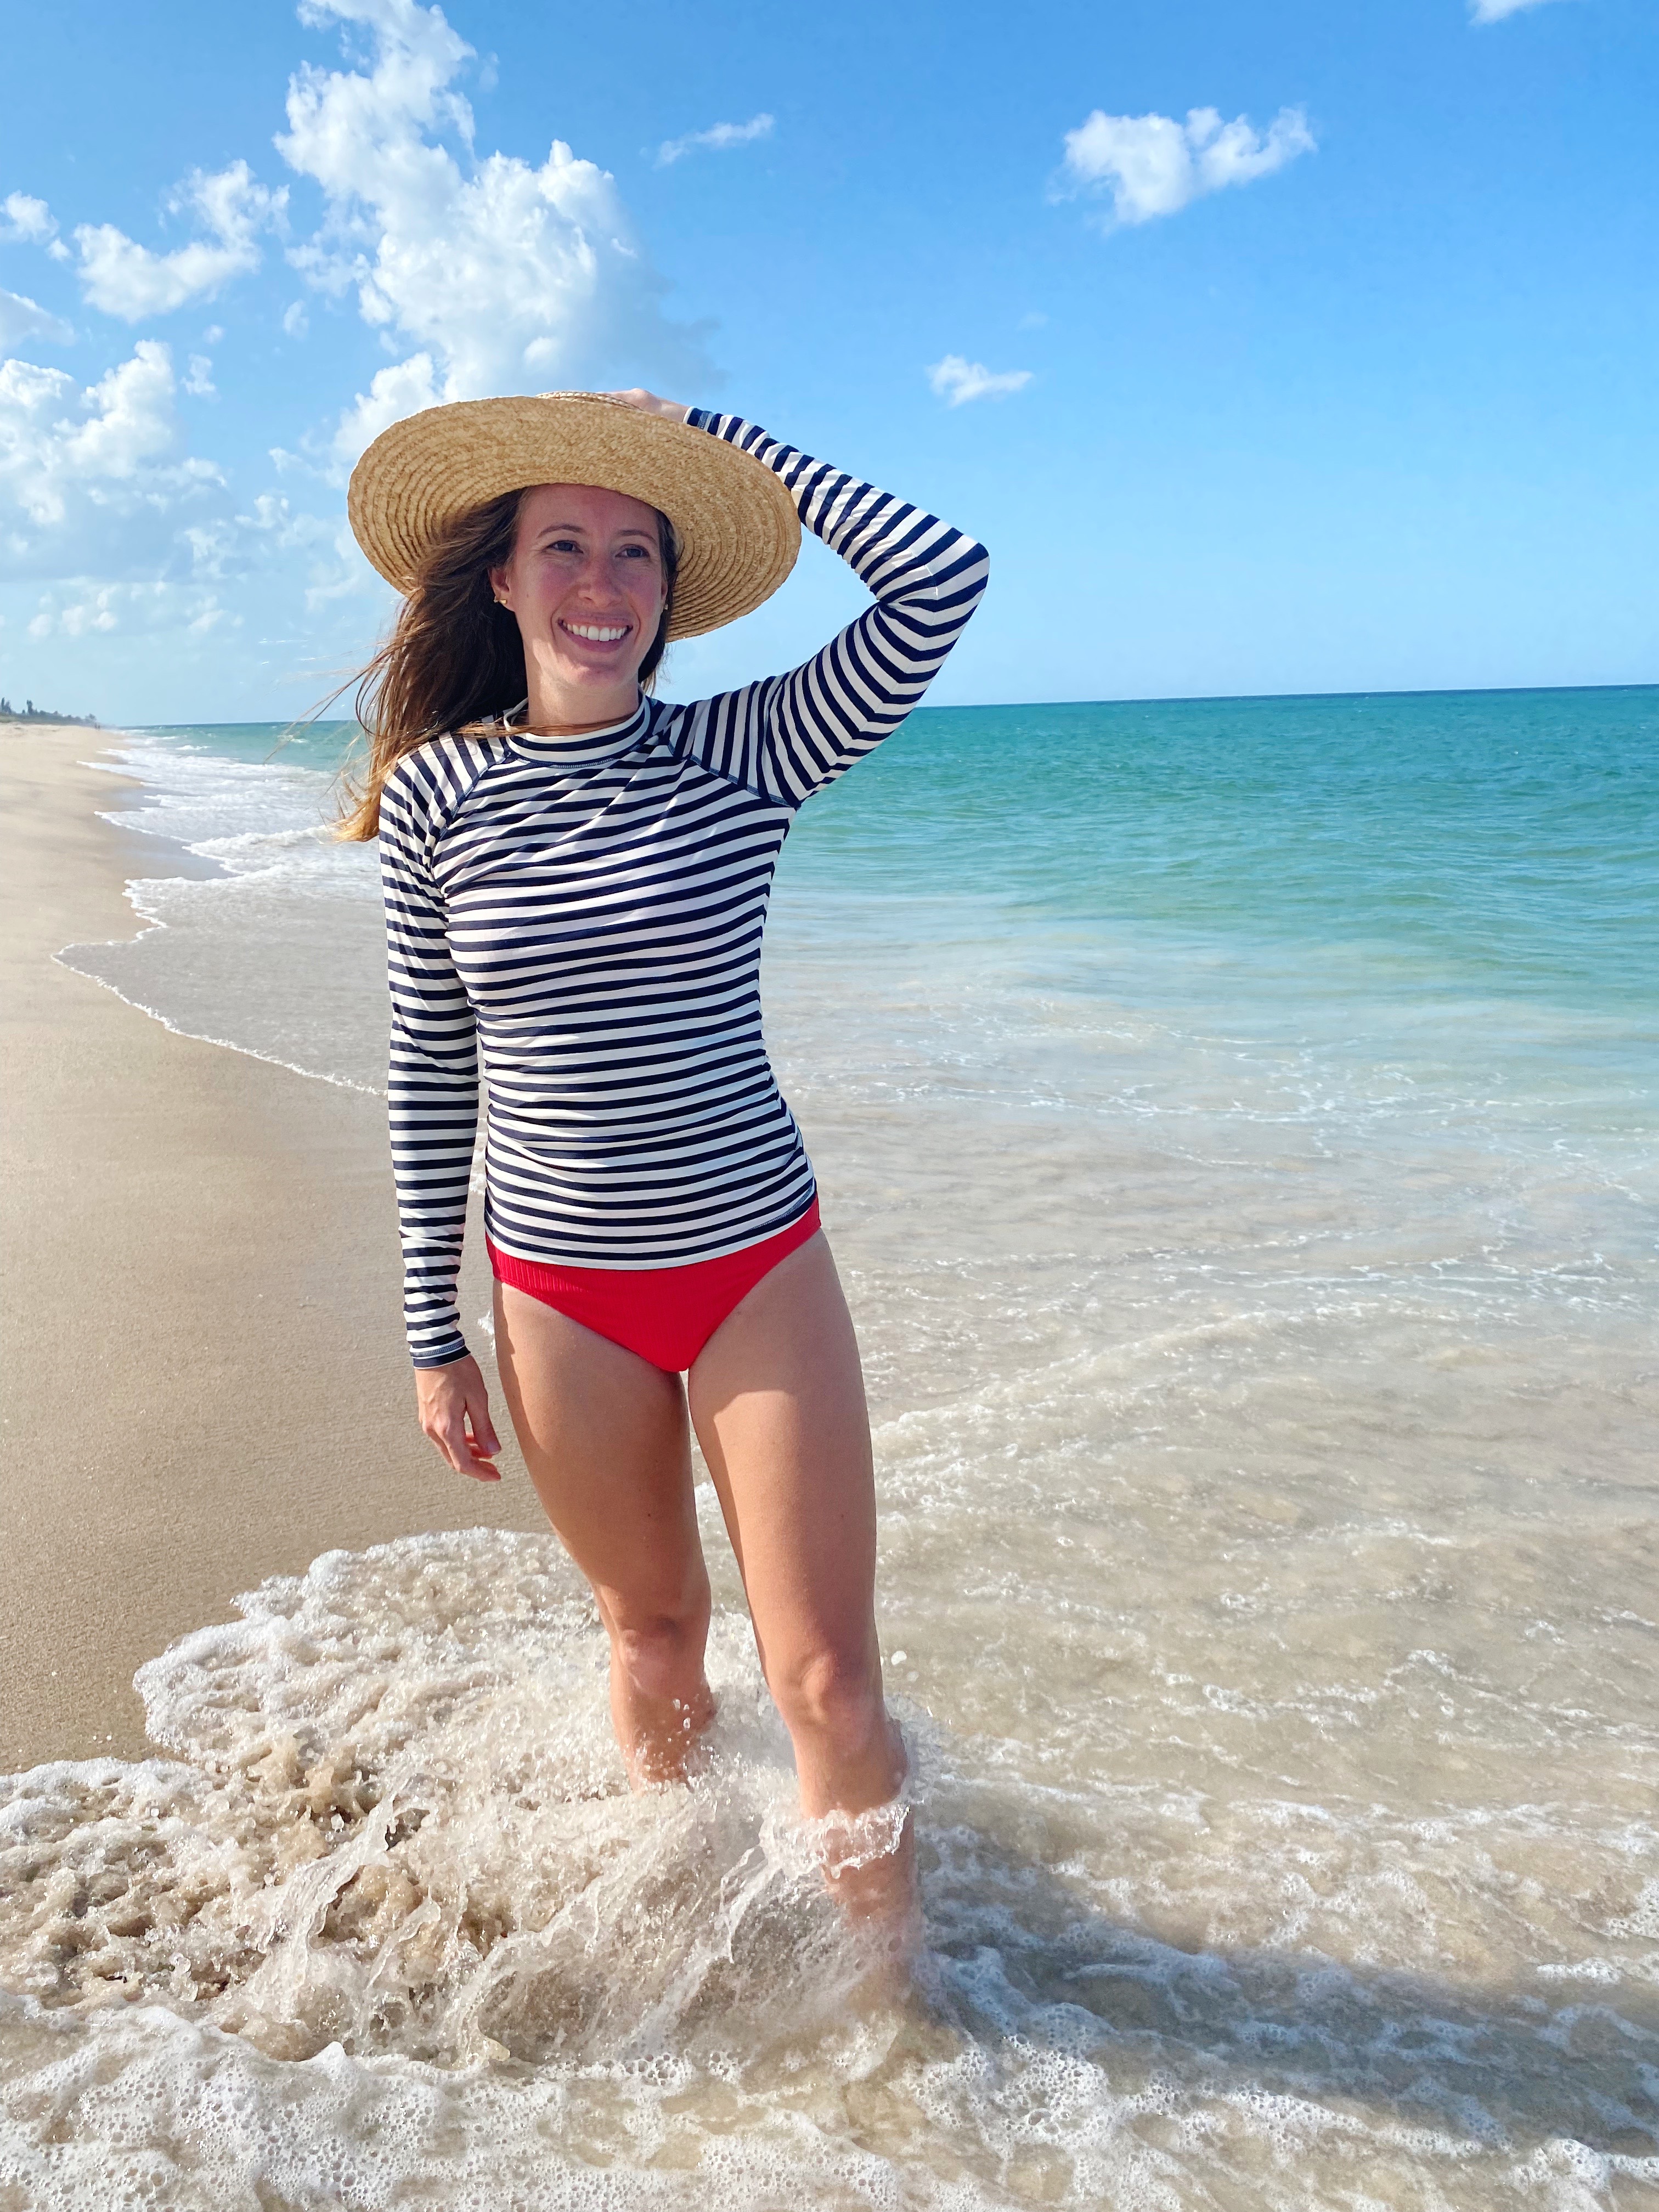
(1294,348)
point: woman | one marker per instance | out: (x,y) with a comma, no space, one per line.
(576,880)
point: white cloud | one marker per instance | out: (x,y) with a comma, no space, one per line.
(22,317)
(85,608)
(718,140)
(479,272)
(125,423)
(123,278)
(395,392)
(95,612)
(225,547)
(502,277)
(1493,11)
(29,221)
(1154,165)
(956,379)
(93,481)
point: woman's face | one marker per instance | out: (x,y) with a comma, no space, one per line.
(585,581)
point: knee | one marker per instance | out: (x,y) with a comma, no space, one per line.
(830,1696)
(661,1654)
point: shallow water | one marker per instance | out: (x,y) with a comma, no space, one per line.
(1237,1128)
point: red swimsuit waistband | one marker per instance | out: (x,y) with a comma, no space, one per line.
(664,1315)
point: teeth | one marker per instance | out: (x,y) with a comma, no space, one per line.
(600,632)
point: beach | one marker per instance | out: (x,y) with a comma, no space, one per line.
(201,1311)
(1235,1122)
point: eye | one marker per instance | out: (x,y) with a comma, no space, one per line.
(563,545)
(635,552)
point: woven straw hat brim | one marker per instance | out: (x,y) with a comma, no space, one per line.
(737,529)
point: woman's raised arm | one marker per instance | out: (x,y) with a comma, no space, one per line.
(787,735)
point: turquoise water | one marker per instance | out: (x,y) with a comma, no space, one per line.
(1391,920)
(1507,842)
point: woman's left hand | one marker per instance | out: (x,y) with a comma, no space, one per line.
(648,404)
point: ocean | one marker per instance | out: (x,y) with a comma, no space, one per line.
(1236,1126)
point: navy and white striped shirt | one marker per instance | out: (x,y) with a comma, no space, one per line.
(584,915)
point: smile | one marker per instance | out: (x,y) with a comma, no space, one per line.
(598,633)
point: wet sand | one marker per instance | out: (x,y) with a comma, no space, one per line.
(205,1376)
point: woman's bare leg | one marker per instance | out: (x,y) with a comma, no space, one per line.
(777,1396)
(604,1435)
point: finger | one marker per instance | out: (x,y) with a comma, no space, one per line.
(480,1456)
(456,1446)
(649,404)
(484,1439)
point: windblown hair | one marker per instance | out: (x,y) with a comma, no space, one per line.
(455,657)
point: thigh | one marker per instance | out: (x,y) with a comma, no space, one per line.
(604,1434)
(777,1396)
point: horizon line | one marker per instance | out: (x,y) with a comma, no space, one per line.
(996,706)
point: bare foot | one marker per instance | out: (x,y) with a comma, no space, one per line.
(869,1862)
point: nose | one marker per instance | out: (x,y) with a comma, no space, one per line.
(597,584)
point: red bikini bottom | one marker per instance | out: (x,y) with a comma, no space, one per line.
(666,1314)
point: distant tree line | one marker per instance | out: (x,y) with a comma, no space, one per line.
(30,713)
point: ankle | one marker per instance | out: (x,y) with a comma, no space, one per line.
(660,1736)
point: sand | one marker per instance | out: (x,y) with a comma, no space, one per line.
(205,1381)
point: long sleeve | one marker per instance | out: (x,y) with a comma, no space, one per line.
(432,1084)
(789,735)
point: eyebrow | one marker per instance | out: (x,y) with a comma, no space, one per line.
(629,530)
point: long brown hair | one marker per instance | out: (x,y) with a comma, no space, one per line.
(455,656)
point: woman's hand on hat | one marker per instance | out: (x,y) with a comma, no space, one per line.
(648,404)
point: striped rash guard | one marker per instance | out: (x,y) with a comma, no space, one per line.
(581,918)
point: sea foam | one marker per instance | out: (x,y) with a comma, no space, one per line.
(384,1925)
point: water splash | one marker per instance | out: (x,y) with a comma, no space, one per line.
(384,1926)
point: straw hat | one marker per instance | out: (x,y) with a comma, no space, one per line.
(737,529)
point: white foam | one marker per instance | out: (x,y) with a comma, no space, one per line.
(276,955)
(385,1926)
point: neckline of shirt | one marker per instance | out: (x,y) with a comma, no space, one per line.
(583,750)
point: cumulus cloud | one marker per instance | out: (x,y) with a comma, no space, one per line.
(1154,166)
(956,379)
(501,276)
(84,608)
(717,140)
(1493,11)
(21,318)
(395,392)
(26,220)
(92,480)
(480,272)
(123,278)
(95,613)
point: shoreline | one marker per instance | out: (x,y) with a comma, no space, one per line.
(207,1379)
